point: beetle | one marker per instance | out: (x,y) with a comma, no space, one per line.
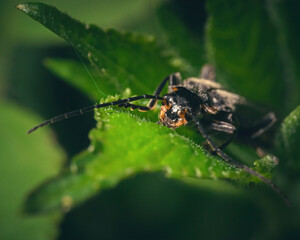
(203,102)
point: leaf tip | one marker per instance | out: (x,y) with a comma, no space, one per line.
(22,7)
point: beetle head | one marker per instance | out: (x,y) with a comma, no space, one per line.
(173,111)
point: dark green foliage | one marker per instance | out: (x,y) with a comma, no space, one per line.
(246,48)
(254,54)
(120,59)
(288,139)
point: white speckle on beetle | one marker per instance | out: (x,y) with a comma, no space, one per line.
(87,26)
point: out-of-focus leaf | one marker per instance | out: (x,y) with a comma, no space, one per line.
(288,139)
(120,60)
(186,42)
(285,17)
(75,74)
(25,162)
(241,43)
(62,192)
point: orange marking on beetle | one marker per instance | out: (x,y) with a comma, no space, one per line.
(162,112)
(166,104)
(182,120)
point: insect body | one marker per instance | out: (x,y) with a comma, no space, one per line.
(200,101)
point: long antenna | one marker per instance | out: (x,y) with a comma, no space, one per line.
(120,103)
(85,66)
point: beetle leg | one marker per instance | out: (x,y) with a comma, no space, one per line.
(263,124)
(235,163)
(208,72)
(224,127)
(173,79)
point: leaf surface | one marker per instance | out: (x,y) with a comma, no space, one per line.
(182,31)
(74,73)
(240,43)
(118,59)
(285,17)
(124,145)
(288,139)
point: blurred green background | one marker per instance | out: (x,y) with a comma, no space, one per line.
(146,206)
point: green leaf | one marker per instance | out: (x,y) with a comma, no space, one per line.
(124,145)
(285,17)
(75,74)
(288,139)
(119,60)
(25,162)
(63,191)
(240,43)
(179,37)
